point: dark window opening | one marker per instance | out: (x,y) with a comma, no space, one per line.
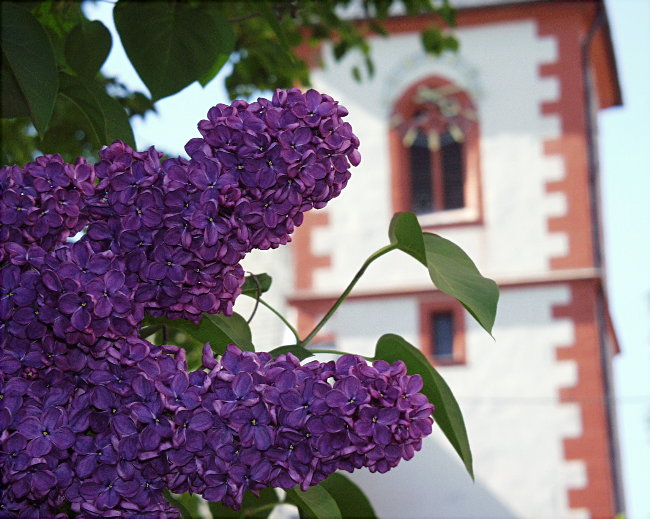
(421,181)
(442,335)
(437,177)
(453,174)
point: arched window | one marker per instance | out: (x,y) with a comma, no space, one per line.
(434,151)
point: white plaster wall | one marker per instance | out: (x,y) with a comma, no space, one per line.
(267,330)
(498,65)
(508,392)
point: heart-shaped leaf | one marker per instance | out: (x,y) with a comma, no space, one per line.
(447,412)
(315,503)
(172,44)
(30,57)
(87,47)
(450,269)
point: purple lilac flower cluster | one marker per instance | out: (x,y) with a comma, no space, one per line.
(97,421)
(266,422)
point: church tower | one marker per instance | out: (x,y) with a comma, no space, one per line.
(494,148)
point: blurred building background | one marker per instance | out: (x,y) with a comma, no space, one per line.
(495,148)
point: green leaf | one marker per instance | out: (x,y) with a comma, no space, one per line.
(218,330)
(447,413)
(351,500)
(450,269)
(256,284)
(87,47)
(186,504)
(405,232)
(252,507)
(235,328)
(316,502)
(30,57)
(147,331)
(227,36)
(267,12)
(106,117)
(14,103)
(356,74)
(172,44)
(433,41)
(298,351)
(455,274)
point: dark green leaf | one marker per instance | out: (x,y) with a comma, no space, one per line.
(356,74)
(249,508)
(378,28)
(448,14)
(218,330)
(455,274)
(451,270)
(433,41)
(30,57)
(405,232)
(298,351)
(87,47)
(316,502)
(235,328)
(256,284)
(149,330)
(351,500)
(340,49)
(266,9)
(107,118)
(227,45)
(447,413)
(186,504)
(171,44)
(14,103)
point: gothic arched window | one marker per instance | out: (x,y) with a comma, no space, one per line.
(434,150)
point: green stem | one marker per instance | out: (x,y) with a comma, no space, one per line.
(338,352)
(282,318)
(375,255)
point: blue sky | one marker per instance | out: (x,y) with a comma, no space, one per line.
(625,184)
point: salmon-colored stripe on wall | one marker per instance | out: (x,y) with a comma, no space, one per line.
(592,446)
(306,262)
(571,145)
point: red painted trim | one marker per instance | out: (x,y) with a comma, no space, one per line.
(306,262)
(571,145)
(593,446)
(553,11)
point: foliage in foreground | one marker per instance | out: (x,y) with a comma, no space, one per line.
(54,100)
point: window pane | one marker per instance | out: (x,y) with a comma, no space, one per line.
(453,174)
(442,333)
(420,162)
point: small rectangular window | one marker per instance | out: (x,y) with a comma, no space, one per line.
(442,335)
